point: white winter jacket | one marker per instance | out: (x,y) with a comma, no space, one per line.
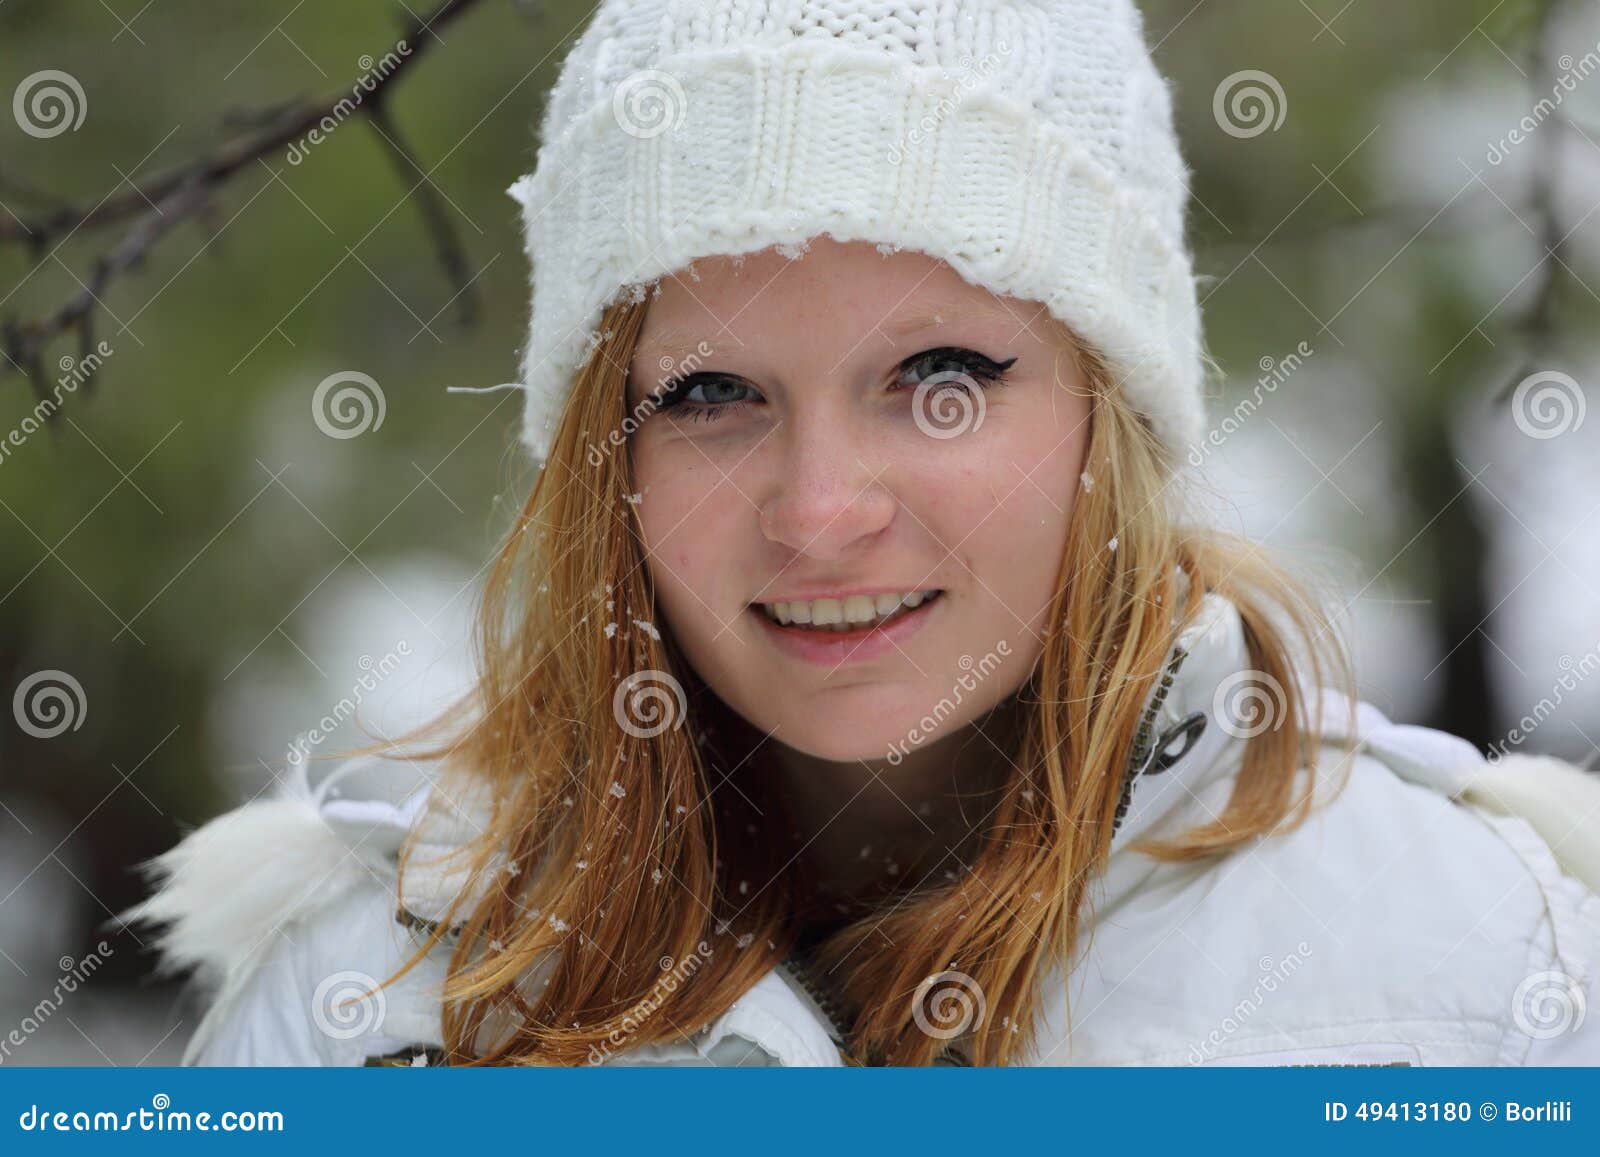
(1440,910)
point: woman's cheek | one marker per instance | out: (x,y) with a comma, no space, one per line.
(1017,535)
(663,499)
(686,523)
(959,487)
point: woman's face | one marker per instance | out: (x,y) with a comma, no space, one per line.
(833,433)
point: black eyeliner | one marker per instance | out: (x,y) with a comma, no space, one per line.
(983,366)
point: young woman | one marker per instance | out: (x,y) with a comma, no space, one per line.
(853,688)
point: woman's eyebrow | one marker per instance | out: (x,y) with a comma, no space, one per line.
(669,355)
(990,310)
(683,345)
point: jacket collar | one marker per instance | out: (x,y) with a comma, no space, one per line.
(1192,719)
(1197,719)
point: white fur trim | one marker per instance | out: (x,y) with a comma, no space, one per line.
(1558,800)
(227,887)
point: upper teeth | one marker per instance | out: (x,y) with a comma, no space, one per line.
(854,609)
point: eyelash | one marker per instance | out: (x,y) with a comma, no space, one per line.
(983,370)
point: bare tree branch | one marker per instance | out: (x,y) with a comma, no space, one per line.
(452,255)
(162,200)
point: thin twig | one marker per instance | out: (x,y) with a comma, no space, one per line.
(162,200)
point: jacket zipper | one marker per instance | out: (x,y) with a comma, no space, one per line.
(823,998)
(822,995)
(1145,747)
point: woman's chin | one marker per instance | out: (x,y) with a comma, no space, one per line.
(840,749)
(875,738)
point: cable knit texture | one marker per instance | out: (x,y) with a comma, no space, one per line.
(1028,143)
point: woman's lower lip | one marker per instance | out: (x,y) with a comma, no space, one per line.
(836,648)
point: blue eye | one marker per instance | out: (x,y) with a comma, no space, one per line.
(676,395)
(953,359)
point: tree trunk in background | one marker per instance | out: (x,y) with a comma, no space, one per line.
(1450,558)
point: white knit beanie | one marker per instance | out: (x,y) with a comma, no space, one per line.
(1028,143)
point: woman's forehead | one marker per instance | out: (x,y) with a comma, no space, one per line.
(844,285)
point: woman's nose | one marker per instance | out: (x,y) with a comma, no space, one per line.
(827,494)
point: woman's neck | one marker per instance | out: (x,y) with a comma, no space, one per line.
(866,829)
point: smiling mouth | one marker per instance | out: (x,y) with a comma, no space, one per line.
(856,614)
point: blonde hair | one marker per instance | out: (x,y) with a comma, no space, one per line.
(632,805)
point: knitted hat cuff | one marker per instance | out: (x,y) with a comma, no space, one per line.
(730,151)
